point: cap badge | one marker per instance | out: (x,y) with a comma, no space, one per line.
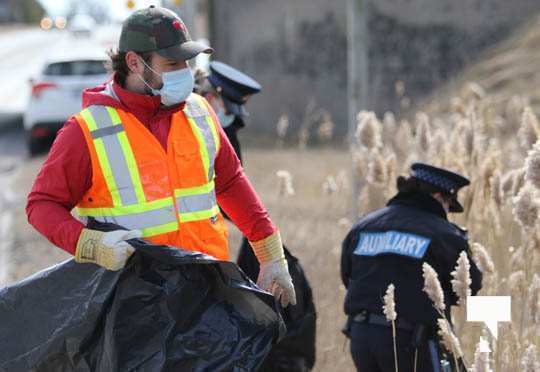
(177,25)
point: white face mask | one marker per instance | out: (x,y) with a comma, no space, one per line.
(225,119)
(177,85)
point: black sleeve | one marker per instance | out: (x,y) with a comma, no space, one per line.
(476,274)
(346,250)
(446,250)
(452,246)
(247,261)
(231,132)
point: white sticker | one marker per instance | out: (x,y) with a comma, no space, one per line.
(490,310)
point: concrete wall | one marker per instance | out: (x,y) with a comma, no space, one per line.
(297,49)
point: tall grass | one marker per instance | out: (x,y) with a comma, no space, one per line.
(501,155)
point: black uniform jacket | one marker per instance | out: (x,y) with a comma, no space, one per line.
(231,132)
(390,245)
(301,320)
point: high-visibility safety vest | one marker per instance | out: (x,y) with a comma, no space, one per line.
(169,196)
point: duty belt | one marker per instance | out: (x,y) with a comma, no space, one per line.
(376,319)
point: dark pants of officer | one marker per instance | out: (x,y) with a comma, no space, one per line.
(288,364)
(372,349)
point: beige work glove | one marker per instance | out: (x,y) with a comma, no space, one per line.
(274,274)
(107,249)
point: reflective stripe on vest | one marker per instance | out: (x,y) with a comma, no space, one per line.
(115,155)
(196,203)
(205,131)
(152,218)
(199,203)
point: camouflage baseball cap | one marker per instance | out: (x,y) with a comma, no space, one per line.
(159,30)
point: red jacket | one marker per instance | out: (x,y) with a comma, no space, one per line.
(67,173)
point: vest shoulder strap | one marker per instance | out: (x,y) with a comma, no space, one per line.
(205,128)
(99,117)
(115,155)
(195,108)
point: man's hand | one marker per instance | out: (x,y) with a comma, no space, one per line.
(274,277)
(107,249)
(274,274)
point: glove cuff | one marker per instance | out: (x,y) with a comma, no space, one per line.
(268,249)
(88,245)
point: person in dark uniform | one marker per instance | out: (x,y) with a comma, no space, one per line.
(227,90)
(390,245)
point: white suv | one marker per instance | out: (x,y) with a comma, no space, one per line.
(57,94)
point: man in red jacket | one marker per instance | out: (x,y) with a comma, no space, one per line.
(151,86)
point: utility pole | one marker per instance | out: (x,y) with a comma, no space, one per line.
(357,78)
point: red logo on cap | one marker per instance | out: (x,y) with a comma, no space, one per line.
(177,25)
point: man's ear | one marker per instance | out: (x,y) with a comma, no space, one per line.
(133,62)
(438,196)
(441,199)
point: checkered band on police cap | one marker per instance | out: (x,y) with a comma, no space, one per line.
(435,180)
(441,178)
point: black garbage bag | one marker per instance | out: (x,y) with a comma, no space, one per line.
(167,310)
(295,352)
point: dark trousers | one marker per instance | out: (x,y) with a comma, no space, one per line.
(372,350)
(286,364)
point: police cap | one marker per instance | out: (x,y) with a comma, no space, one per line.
(446,181)
(234,86)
